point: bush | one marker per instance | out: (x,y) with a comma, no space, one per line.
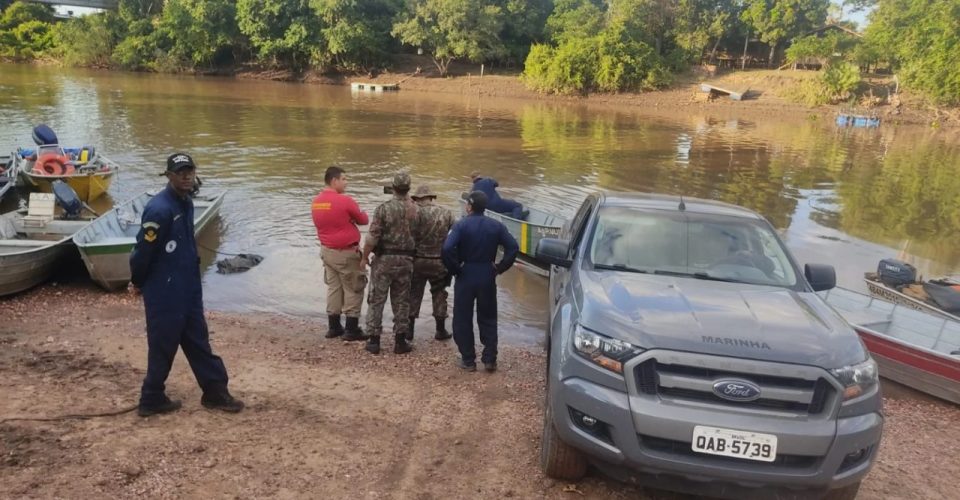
(87,40)
(135,53)
(840,80)
(808,92)
(568,69)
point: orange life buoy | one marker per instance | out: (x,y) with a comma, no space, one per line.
(53,164)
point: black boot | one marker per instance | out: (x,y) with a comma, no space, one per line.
(400,345)
(442,333)
(334,328)
(354,332)
(373,345)
(413,321)
(218,398)
(170,405)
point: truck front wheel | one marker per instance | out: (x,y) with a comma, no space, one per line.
(558,459)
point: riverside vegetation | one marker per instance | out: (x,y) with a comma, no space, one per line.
(563,46)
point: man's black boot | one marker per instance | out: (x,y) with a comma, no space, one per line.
(354,333)
(334,328)
(442,333)
(373,344)
(413,321)
(219,398)
(170,405)
(400,345)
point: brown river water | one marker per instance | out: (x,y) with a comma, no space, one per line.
(846,197)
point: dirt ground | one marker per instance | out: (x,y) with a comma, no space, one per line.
(767,96)
(324,419)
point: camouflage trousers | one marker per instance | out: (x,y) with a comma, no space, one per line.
(389,274)
(434,272)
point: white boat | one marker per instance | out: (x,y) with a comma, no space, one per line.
(880,290)
(31,244)
(106,244)
(913,347)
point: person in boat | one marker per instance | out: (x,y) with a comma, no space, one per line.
(164,267)
(470,253)
(336,217)
(495,202)
(430,230)
(390,239)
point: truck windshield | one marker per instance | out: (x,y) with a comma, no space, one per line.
(685,244)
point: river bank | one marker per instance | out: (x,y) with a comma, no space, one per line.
(324,419)
(769,93)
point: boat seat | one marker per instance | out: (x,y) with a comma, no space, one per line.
(40,210)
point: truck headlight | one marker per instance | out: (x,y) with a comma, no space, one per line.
(857,379)
(604,351)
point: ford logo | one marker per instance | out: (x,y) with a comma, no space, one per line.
(736,390)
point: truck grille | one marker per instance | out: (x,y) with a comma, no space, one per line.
(695,383)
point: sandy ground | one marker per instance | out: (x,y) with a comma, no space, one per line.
(324,419)
(767,96)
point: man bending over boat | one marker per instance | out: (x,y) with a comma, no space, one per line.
(164,266)
(496,203)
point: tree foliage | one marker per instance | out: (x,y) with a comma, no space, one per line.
(199,32)
(452,29)
(281,31)
(776,21)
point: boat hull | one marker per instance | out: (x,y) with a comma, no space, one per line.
(920,369)
(89,187)
(108,260)
(24,270)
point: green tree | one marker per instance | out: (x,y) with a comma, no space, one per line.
(524,24)
(702,23)
(922,40)
(357,32)
(776,21)
(21,12)
(626,63)
(282,31)
(575,19)
(199,32)
(88,40)
(452,29)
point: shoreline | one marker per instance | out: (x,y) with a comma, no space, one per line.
(323,418)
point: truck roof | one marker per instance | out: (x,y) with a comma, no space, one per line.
(651,201)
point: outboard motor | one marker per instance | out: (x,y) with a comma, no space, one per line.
(896,273)
(44,136)
(68,199)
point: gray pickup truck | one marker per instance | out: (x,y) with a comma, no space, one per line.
(688,351)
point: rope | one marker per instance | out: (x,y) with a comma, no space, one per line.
(81,416)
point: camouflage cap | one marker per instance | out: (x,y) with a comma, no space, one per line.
(401,180)
(424,191)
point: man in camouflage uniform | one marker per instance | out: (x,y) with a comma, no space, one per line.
(391,241)
(430,230)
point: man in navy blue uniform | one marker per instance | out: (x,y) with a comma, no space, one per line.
(469,253)
(495,202)
(165,267)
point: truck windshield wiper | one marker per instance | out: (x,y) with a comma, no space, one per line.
(620,267)
(697,275)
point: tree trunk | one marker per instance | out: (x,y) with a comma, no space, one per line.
(713,51)
(773,51)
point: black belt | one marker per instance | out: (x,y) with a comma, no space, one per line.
(389,251)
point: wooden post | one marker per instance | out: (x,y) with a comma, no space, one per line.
(481,71)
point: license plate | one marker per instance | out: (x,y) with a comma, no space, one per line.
(737,444)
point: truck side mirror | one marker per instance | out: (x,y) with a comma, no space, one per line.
(554,251)
(820,276)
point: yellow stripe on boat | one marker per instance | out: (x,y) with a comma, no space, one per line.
(524,234)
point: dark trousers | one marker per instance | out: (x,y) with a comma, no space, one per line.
(483,293)
(168,330)
(507,207)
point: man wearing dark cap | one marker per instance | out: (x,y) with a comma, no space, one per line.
(469,253)
(495,202)
(430,230)
(390,239)
(164,266)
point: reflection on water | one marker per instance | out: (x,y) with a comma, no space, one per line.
(847,197)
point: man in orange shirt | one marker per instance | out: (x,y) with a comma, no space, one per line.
(336,217)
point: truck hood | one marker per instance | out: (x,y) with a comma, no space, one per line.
(711,317)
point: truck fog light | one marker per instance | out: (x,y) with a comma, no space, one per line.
(588,421)
(591,425)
